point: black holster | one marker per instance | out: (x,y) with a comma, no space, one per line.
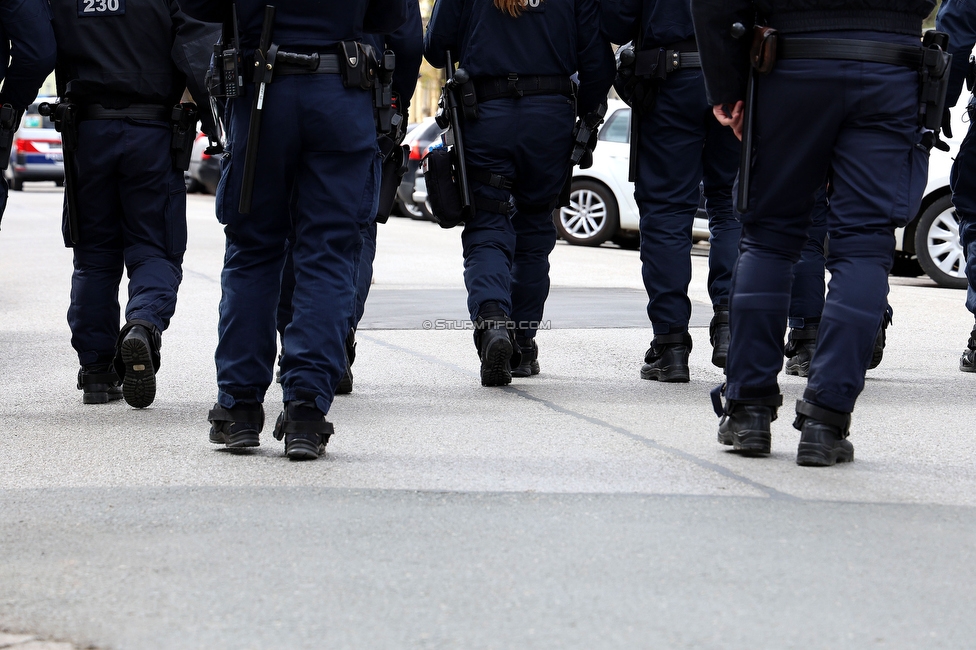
(184,119)
(933,80)
(442,187)
(9,123)
(394,167)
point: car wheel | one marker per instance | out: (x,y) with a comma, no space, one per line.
(427,210)
(591,217)
(412,210)
(16,184)
(938,247)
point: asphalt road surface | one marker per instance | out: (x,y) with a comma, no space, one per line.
(583,508)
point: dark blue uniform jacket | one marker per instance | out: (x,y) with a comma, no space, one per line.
(725,60)
(148,55)
(407,43)
(306,24)
(27,42)
(663,21)
(550,38)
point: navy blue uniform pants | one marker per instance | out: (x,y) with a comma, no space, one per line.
(807,297)
(859,120)
(132,215)
(317,171)
(364,278)
(506,256)
(682,149)
(963,183)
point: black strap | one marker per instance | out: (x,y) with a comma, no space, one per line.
(665,339)
(487,178)
(321,428)
(289,63)
(909,56)
(833,418)
(253,413)
(489,88)
(491,205)
(808,333)
(153,112)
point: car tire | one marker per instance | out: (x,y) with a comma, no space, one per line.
(591,217)
(427,210)
(937,245)
(16,184)
(413,210)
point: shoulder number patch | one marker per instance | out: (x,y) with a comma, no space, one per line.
(533,6)
(90,8)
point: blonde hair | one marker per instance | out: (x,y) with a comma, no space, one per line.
(511,7)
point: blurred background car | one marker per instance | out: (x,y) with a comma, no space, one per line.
(36,151)
(204,172)
(418,139)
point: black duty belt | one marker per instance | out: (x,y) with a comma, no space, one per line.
(909,56)
(488,88)
(288,63)
(152,112)
(649,61)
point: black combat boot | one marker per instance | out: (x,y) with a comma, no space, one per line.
(799,349)
(718,334)
(495,339)
(138,357)
(237,427)
(345,384)
(304,429)
(746,424)
(100,385)
(667,358)
(879,341)
(967,363)
(823,436)
(529,350)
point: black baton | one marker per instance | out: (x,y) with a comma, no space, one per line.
(264,58)
(453,115)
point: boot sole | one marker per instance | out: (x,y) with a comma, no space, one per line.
(100,398)
(239,440)
(495,369)
(303,450)
(671,374)
(966,368)
(522,371)
(816,455)
(749,442)
(345,385)
(139,385)
(798,370)
(719,358)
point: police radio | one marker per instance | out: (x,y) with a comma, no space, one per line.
(227,78)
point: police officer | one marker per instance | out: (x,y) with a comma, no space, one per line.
(27,42)
(958,19)
(316,150)
(520,55)
(827,103)
(407,44)
(680,148)
(122,69)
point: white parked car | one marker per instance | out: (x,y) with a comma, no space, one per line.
(602,205)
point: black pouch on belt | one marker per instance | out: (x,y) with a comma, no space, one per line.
(184,119)
(442,188)
(358,64)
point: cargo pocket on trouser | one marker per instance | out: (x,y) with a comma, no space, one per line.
(912,185)
(175,216)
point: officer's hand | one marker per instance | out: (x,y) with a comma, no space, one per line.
(732,118)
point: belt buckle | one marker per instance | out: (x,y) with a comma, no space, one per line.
(513,85)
